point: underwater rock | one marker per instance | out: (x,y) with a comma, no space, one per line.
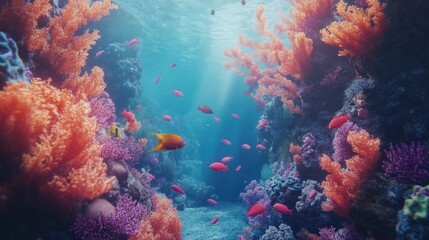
(119,170)
(98,207)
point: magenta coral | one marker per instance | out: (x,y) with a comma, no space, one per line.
(116,149)
(103,109)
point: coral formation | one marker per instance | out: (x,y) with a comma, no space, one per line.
(11,65)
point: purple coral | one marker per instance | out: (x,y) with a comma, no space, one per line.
(116,149)
(407,163)
(332,80)
(311,197)
(342,149)
(254,193)
(104,110)
(124,223)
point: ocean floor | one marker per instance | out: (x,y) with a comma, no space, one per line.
(197,222)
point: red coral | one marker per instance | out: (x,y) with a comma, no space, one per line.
(360,31)
(49,143)
(163,223)
(342,185)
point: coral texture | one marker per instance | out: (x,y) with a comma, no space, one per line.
(104,110)
(11,65)
(359,32)
(342,184)
(50,143)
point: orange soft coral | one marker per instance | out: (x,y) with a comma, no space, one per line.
(55,44)
(296,61)
(49,143)
(88,85)
(163,223)
(359,32)
(342,185)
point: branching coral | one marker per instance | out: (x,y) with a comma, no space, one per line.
(342,185)
(163,223)
(87,85)
(359,32)
(49,143)
(277,62)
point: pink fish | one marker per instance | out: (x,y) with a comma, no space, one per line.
(312,194)
(139,107)
(226,159)
(172,65)
(154,160)
(99,53)
(132,42)
(157,79)
(212,201)
(216,119)
(238,168)
(235,115)
(218,166)
(178,93)
(262,124)
(246,146)
(178,189)
(151,177)
(166,117)
(255,210)
(214,221)
(226,141)
(243,2)
(205,109)
(281,208)
(260,147)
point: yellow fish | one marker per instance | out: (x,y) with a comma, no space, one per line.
(114,131)
(168,141)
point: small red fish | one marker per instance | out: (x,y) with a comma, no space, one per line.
(262,124)
(218,166)
(246,146)
(99,53)
(216,119)
(235,115)
(238,168)
(172,65)
(132,42)
(151,177)
(226,141)
(212,201)
(166,117)
(255,210)
(128,115)
(338,121)
(260,147)
(205,109)
(178,189)
(281,208)
(177,93)
(226,159)
(139,107)
(157,79)
(312,194)
(214,221)
(105,94)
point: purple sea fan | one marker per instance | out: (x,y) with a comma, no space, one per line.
(407,164)
(104,110)
(342,149)
(124,223)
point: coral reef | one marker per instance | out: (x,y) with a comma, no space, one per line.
(11,65)
(283,232)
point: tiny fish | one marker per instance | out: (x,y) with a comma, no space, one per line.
(139,107)
(157,80)
(212,12)
(246,146)
(172,65)
(178,189)
(281,208)
(99,53)
(212,201)
(255,210)
(338,121)
(218,166)
(128,115)
(154,160)
(226,159)
(105,94)
(151,177)
(216,119)
(214,221)
(243,2)
(262,124)
(166,117)
(132,42)
(226,141)
(260,147)
(205,109)
(178,93)
(238,168)
(235,115)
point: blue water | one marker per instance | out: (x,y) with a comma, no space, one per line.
(184,32)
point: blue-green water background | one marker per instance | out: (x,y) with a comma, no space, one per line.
(184,32)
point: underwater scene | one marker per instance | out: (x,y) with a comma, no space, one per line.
(214,120)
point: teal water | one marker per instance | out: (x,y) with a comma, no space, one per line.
(185,33)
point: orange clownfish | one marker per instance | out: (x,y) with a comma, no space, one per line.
(168,141)
(338,121)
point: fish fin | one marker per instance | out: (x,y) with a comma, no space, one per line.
(159,145)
